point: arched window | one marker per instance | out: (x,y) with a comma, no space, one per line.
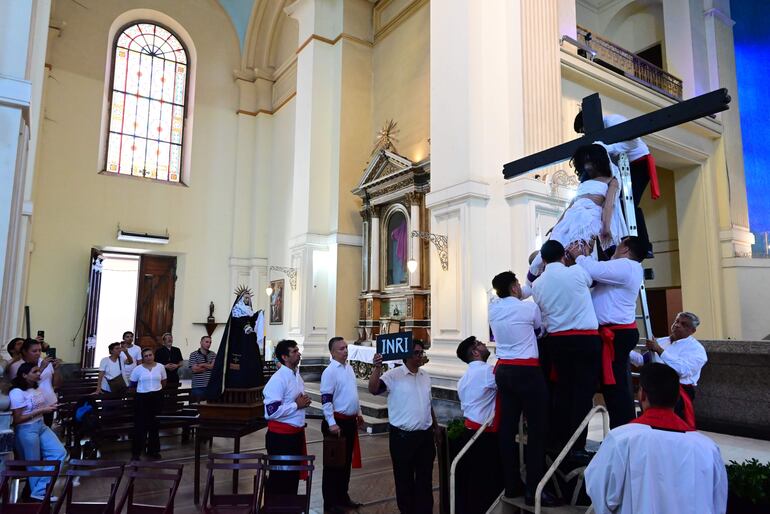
(147,103)
(398,253)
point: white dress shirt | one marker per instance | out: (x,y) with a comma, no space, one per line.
(409,406)
(634,149)
(148,380)
(617,287)
(111,369)
(641,470)
(564,298)
(281,393)
(514,324)
(477,391)
(136,354)
(687,356)
(339,391)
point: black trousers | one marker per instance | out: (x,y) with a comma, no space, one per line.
(283,482)
(640,177)
(147,407)
(578,364)
(479,475)
(522,389)
(679,407)
(412,454)
(619,398)
(335,481)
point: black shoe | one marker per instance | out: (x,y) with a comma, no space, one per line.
(546,500)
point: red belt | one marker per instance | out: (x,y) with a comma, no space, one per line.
(649,161)
(607,333)
(688,411)
(278,427)
(517,362)
(552,375)
(356,445)
(472,425)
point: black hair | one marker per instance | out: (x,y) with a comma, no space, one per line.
(334,340)
(465,347)
(551,251)
(20,381)
(283,347)
(148,349)
(578,123)
(111,346)
(636,247)
(28,343)
(660,383)
(12,344)
(503,282)
(127,332)
(415,342)
(595,154)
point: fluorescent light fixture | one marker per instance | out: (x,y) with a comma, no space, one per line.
(136,237)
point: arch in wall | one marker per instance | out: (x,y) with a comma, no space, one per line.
(392,268)
(637,25)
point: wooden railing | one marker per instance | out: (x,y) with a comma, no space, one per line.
(622,61)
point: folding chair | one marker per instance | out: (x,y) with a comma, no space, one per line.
(234,503)
(286,503)
(156,471)
(17,469)
(99,469)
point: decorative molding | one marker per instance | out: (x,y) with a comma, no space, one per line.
(290,272)
(467,190)
(265,111)
(442,245)
(333,42)
(15,92)
(382,31)
(248,262)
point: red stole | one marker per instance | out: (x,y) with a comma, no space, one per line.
(649,162)
(607,333)
(689,410)
(356,464)
(278,427)
(664,419)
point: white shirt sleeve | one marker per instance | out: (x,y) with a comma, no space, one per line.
(584,275)
(613,272)
(636,358)
(274,405)
(605,477)
(103,364)
(537,320)
(489,379)
(163,374)
(388,377)
(17,399)
(686,364)
(327,395)
(135,374)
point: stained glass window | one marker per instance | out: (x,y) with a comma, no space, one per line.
(147,114)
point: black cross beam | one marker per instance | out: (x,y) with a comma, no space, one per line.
(682,112)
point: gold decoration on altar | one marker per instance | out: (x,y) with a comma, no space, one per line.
(243,290)
(386,137)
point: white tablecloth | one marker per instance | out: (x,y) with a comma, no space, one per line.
(365,354)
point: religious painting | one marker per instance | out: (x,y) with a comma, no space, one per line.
(276,302)
(398,252)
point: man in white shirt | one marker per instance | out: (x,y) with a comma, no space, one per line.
(521,384)
(479,476)
(342,418)
(617,282)
(573,342)
(285,404)
(642,166)
(412,429)
(134,350)
(657,463)
(685,354)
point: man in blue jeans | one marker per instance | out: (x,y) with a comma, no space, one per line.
(201,363)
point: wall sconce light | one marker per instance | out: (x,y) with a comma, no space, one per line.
(411,265)
(268,290)
(442,245)
(290,272)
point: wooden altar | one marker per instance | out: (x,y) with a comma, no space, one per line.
(394,299)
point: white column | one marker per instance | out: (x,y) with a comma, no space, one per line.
(415,279)
(374,257)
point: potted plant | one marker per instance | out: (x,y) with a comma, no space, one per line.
(749,487)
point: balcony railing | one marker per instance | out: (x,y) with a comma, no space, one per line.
(622,61)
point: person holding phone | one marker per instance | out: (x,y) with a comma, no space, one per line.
(33,439)
(50,378)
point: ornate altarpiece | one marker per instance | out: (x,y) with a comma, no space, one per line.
(392,299)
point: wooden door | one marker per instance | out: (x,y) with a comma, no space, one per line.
(92,309)
(155,299)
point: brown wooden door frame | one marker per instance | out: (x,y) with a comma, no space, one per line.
(91,317)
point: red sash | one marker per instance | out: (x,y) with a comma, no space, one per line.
(607,333)
(278,427)
(517,362)
(652,171)
(472,425)
(662,418)
(689,411)
(553,376)
(356,445)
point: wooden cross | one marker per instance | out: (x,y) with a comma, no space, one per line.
(682,112)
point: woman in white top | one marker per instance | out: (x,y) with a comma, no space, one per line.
(149,379)
(34,440)
(109,368)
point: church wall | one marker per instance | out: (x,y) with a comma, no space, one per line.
(660,216)
(401,84)
(77,208)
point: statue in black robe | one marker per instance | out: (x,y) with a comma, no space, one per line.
(239,363)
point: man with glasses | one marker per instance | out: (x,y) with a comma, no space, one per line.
(412,429)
